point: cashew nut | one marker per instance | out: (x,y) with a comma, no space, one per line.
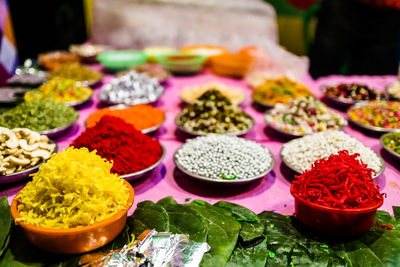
(12,140)
(24,145)
(22,148)
(18,161)
(44,154)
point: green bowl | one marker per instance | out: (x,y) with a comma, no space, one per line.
(121,60)
(182,63)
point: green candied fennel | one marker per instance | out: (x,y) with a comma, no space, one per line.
(39,115)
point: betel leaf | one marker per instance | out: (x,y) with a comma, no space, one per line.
(396,211)
(6,222)
(252,229)
(253,255)
(237,210)
(294,245)
(289,246)
(386,219)
(22,253)
(185,220)
(223,231)
(148,215)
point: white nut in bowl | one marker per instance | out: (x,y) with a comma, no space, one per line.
(22,149)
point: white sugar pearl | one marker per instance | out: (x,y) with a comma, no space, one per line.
(302,152)
(214,155)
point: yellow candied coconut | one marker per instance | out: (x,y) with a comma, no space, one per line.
(74,188)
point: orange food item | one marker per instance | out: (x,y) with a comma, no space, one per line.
(141,116)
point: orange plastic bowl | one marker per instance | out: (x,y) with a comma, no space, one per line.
(78,239)
(334,221)
(234,65)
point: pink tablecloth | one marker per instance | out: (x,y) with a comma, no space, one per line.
(272,192)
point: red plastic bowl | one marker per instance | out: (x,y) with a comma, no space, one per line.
(334,221)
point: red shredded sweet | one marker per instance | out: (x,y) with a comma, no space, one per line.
(340,181)
(114,139)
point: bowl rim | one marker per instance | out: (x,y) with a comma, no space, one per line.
(76,230)
(335,210)
(196,60)
(370,128)
(385,147)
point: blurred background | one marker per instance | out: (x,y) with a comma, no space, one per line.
(31,27)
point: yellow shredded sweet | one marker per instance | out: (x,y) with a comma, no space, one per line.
(74,188)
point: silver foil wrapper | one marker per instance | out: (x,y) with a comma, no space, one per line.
(131,89)
(156,250)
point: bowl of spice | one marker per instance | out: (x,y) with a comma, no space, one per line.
(121,60)
(299,154)
(347,94)
(224,159)
(180,63)
(62,90)
(337,196)
(281,90)
(205,50)
(143,117)
(302,116)
(85,207)
(153,52)
(53,60)
(77,72)
(192,93)
(391,143)
(376,116)
(213,113)
(133,153)
(45,116)
(131,89)
(22,151)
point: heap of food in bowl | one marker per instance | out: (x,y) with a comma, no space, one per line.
(73,204)
(337,196)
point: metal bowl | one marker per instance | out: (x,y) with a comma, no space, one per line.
(91,83)
(145,172)
(263,105)
(391,152)
(104,97)
(368,127)
(79,103)
(22,175)
(60,130)
(193,133)
(337,100)
(290,134)
(222,181)
(148,131)
(10,95)
(300,172)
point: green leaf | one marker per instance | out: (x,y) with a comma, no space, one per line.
(396,211)
(148,215)
(223,231)
(251,228)
(254,255)
(185,220)
(292,244)
(6,222)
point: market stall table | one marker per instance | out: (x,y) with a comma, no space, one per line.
(272,192)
